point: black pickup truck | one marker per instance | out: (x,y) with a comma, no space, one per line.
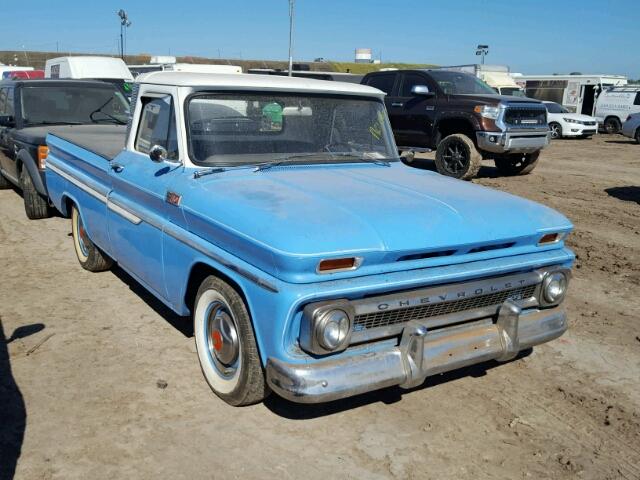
(29,110)
(463,119)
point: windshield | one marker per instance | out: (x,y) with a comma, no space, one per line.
(453,83)
(514,91)
(247,128)
(553,107)
(71,104)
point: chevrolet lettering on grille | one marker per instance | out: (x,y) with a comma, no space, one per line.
(449,296)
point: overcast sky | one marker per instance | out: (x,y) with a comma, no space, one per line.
(531,36)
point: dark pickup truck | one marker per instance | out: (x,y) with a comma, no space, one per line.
(463,119)
(29,110)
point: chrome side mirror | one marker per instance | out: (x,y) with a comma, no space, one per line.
(420,90)
(158,153)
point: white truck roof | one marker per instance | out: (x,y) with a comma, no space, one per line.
(87,67)
(225,81)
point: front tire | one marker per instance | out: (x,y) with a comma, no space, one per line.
(556,130)
(35,206)
(517,164)
(612,125)
(457,157)
(90,257)
(226,344)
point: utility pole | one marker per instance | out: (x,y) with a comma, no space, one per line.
(291,8)
(124,24)
(482,50)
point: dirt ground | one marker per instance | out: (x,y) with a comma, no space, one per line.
(98,380)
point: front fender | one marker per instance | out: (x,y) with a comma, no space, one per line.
(37,177)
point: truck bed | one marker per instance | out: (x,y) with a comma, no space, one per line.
(106,141)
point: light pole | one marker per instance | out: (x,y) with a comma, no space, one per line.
(482,50)
(291,7)
(124,24)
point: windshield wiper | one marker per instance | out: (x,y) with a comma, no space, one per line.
(45,122)
(99,110)
(377,161)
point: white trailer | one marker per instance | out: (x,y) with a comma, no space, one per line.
(496,76)
(577,93)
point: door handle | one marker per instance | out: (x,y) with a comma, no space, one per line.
(397,104)
(116,167)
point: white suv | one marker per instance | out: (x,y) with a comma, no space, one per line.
(563,123)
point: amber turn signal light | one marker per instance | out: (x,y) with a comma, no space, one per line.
(337,264)
(43,153)
(549,238)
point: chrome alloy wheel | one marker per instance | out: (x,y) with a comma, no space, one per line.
(555,130)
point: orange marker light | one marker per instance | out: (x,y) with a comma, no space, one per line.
(43,153)
(337,264)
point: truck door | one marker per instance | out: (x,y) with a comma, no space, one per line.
(416,113)
(6,111)
(137,205)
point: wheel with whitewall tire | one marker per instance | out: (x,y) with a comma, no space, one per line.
(226,344)
(517,163)
(457,157)
(90,257)
(35,206)
(556,130)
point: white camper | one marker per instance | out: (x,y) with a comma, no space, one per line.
(97,68)
(615,104)
(577,93)
(108,69)
(496,76)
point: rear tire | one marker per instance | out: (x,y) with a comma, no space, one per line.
(89,256)
(556,130)
(517,164)
(4,183)
(612,125)
(457,157)
(35,206)
(637,137)
(226,344)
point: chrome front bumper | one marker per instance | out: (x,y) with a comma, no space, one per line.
(421,353)
(513,142)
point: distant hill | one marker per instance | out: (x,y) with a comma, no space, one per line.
(37,60)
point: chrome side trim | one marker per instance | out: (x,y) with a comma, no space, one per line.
(123,212)
(78,183)
(170,229)
(185,237)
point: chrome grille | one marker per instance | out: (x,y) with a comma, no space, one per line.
(419,312)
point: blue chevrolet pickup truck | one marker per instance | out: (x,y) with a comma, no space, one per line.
(275,212)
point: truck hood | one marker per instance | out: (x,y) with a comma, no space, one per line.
(284,220)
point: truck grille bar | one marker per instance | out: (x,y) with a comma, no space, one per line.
(402,315)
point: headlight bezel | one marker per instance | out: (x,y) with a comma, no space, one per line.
(488,111)
(550,279)
(316,318)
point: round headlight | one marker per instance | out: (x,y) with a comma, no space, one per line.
(332,329)
(554,287)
